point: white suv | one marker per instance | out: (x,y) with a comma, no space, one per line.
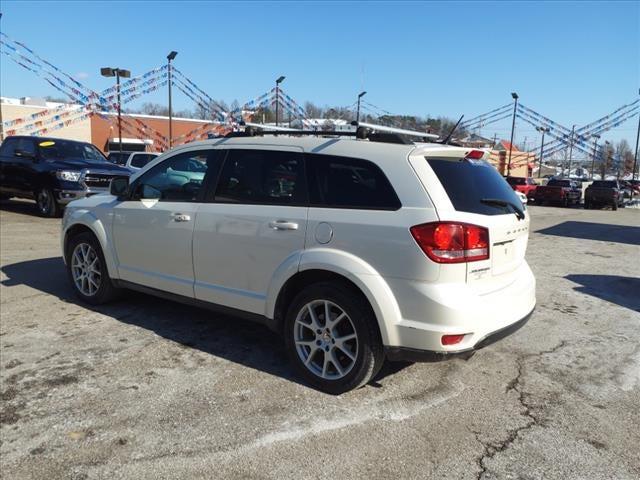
(354,250)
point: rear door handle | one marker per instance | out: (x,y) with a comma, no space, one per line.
(181,217)
(283,225)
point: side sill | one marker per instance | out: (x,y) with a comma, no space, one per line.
(214,307)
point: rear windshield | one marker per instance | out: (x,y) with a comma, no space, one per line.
(604,184)
(516,181)
(119,158)
(468,182)
(139,160)
(559,183)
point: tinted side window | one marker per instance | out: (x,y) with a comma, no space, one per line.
(177,179)
(8,147)
(262,177)
(27,145)
(342,182)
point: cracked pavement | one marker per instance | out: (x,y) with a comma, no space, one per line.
(146,388)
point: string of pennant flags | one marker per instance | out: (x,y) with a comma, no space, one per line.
(88,102)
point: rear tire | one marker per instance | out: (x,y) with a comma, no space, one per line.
(615,206)
(46,203)
(339,356)
(87,270)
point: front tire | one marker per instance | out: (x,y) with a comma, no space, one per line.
(87,270)
(46,203)
(332,337)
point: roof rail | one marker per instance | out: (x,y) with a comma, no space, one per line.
(398,131)
(363,131)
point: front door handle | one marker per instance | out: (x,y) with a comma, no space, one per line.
(181,217)
(283,225)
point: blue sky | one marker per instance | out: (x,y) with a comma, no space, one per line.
(571,61)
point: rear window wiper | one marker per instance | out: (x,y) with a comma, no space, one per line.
(503,203)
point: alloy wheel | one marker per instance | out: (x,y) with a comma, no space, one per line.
(325,339)
(86,269)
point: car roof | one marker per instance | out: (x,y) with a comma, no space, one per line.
(333,146)
(49,139)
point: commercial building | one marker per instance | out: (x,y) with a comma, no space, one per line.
(33,116)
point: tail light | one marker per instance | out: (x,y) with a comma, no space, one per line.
(475,155)
(451,339)
(452,242)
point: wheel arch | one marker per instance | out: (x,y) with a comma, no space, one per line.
(86,222)
(325,265)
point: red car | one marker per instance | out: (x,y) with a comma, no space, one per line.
(526,185)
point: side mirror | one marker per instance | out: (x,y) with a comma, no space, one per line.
(24,154)
(119,187)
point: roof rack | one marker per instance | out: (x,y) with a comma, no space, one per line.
(363,131)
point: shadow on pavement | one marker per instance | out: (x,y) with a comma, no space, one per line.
(232,338)
(595,231)
(623,291)
(24,207)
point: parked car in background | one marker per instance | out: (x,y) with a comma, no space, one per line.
(523,198)
(53,171)
(132,160)
(119,158)
(627,188)
(526,185)
(137,160)
(604,193)
(559,191)
(353,250)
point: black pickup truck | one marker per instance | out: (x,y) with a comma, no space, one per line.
(53,171)
(604,192)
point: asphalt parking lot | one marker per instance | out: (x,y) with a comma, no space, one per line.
(146,388)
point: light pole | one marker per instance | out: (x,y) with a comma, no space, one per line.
(595,149)
(360,95)
(514,95)
(278,82)
(170,57)
(1,127)
(117,72)
(635,157)
(543,130)
(573,129)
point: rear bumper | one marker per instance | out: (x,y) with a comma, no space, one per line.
(431,310)
(403,354)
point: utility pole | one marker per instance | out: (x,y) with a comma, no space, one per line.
(595,150)
(635,157)
(573,129)
(360,95)
(1,126)
(514,95)
(543,130)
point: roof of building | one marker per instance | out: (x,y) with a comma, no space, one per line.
(506,145)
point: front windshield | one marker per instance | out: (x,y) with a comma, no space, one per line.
(63,149)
